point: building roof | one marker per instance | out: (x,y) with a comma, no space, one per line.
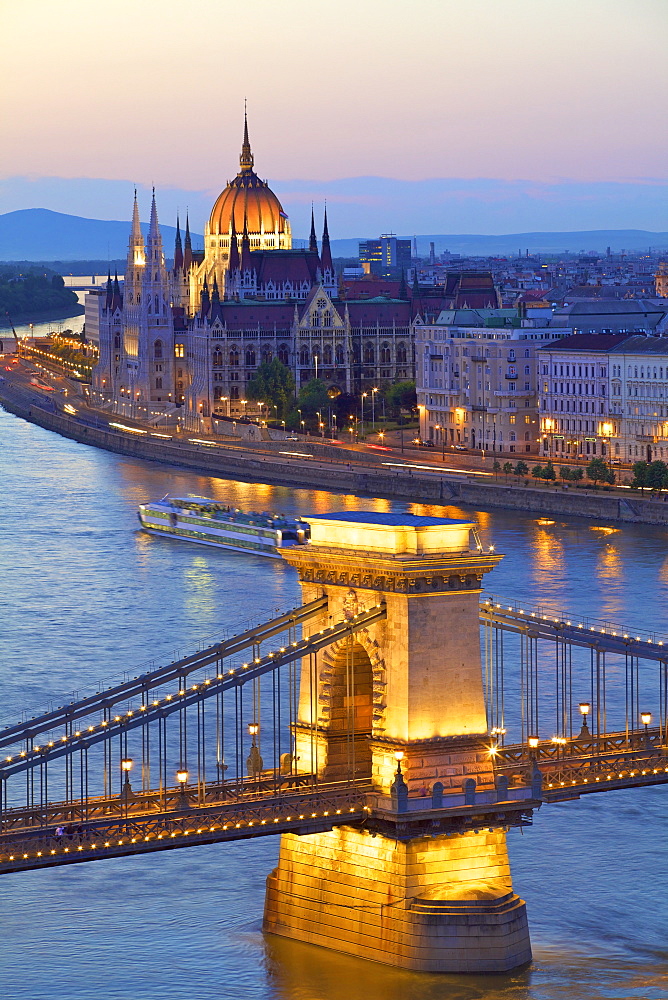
(588,342)
(395,520)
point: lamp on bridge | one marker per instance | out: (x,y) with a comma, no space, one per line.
(533,742)
(646,718)
(254,762)
(585,709)
(126,767)
(182,778)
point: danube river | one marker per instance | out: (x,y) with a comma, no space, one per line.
(85,596)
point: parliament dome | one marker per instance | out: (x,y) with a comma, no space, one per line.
(249,201)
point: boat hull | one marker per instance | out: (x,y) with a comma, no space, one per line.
(227,547)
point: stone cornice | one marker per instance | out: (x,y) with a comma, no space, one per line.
(406,574)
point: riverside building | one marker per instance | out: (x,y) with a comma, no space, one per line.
(604,396)
(477,380)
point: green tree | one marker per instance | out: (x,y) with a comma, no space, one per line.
(548,472)
(598,472)
(521,469)
(401,396)
(657,475)
(274,385)
(565,472)
(496,468)
(639,470)
(313,396)
(577,475)
(507,468)
(537,472)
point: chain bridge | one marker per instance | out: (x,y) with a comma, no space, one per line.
(392,728)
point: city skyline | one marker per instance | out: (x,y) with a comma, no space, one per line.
(533,115)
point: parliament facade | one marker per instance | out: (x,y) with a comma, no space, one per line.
(187,340)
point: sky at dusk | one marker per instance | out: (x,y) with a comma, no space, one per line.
(478,116)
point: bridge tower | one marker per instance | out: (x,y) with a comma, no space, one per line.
(400,705)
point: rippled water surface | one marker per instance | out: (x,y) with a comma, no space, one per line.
(85,596)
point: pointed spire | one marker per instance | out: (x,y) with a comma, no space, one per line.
(205,301)
(245,248)
(313,240)
(215,294)
(110,291)
(154,239)
(136,225)
(178,249)
(246,158)
(117,298)
(233,261)
(326,253)
(403,288)
(188,248)
(136,256)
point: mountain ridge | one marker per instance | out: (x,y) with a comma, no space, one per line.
(42,234)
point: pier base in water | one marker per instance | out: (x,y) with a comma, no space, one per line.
(442,904)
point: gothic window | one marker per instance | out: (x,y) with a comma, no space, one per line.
(117,341)
(321,303)
(315,319)
(327,318)
(179,350)
(157,306)
(217,358)
(266,355)
(369,354)
(338,355)
(234,358)
(250,357)
(327,355)
(401,354)
(283,355)
(303,355)
(179,385)
(385,355)
(234,392)
(157,349)
(218,392)
(158,383)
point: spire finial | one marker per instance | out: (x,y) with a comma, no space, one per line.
(246,158)
(313,240)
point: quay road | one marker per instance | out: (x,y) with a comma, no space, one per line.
(419,476)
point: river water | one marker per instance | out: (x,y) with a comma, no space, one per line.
(85,596)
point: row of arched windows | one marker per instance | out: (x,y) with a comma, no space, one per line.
(250,356)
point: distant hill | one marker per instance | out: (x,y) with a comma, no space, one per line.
(39,234)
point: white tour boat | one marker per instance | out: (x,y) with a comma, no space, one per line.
(198,519)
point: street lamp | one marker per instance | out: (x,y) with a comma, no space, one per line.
(182,778)
(126,767)
(364,395)
(533,742)
(646,718)
(585,709)
(254,761)
(373,408)
(399,756)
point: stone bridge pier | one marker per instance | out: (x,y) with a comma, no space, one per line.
(400,703)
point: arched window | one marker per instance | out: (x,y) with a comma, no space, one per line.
(117,341)
(327,318)
(527,353)
(234,392)
(401,353)
(283,354)
(266,355)
(303,355)
(157,349)
(218,392)
(218,358)
(338,355)
(327,355)
(250,357)
(385,355)
(369,353)
(315,319)
(234,358)
(157,304)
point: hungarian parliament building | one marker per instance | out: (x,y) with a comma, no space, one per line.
(186,340)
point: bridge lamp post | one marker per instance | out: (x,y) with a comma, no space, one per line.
(182,778)
(585,709)
(254,761)
(533,742)
(646,718)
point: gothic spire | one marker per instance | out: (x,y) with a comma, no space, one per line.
(205,301)
(110,291)
(136,255)
(178,249)
(313,240)
(326,254)
(117,298)
(188,249)
(154,239)
(233,261)
(246,158)
(245,248)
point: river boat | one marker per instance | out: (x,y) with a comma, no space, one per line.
(201,520)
